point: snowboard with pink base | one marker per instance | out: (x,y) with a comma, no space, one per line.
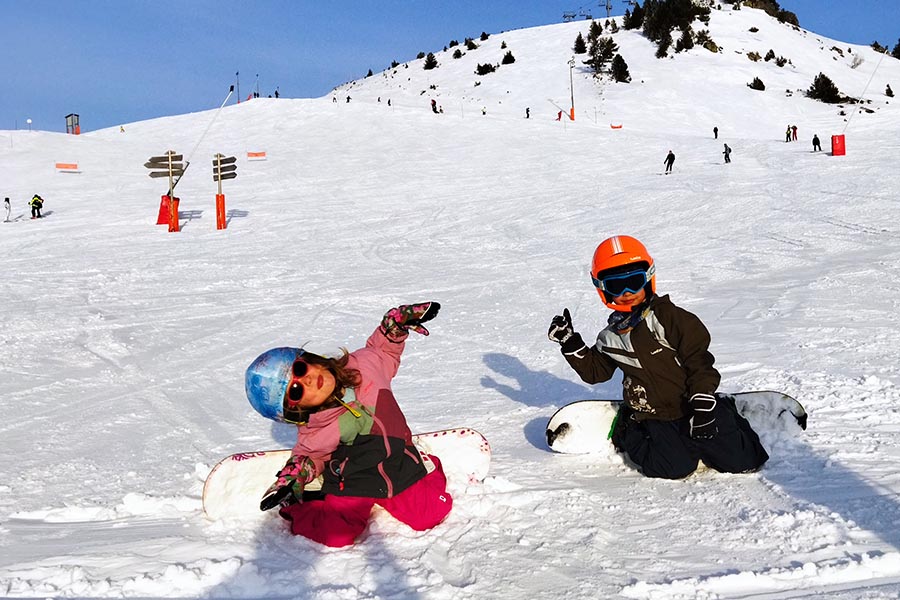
(236,484)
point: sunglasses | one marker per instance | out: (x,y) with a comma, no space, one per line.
(295,388)
(617,285)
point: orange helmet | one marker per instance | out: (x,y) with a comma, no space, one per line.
(617,255)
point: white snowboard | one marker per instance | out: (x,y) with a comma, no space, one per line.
(236,484)
(583,427)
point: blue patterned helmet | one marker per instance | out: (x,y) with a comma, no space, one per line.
(267,379)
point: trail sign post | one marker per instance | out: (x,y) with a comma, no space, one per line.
(168,165)
(224,167)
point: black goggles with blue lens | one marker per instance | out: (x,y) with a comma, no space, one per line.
(621,283)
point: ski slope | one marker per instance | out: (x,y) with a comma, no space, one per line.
(125,346)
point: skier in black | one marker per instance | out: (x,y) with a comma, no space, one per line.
(672,417)
(817,146)
(727,154)
(670,160)
(36,204)
(716,132)
(7,207)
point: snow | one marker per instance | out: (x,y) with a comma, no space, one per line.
(125,345)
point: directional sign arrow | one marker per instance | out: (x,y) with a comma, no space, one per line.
(157,174)
(165,159)
(224,176)
(224,160)
(152,165)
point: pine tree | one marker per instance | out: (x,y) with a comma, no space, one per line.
(757,84)
(600,53)
(580,47)
(888,91)
(508,58)
(430,62)
(637,18)
(824,90)
(665,42)
(686,41)
(620,69)
(896,51)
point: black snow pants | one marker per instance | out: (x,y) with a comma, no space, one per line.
(664,449)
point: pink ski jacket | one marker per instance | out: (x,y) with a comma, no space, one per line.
(372,454)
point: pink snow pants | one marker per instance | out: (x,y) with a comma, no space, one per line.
(337,521)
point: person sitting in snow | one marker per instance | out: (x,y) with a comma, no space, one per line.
(350,430)
(671,417)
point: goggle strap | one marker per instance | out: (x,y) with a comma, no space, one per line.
(352,410)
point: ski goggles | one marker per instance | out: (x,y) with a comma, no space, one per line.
(623,283)
(295,388)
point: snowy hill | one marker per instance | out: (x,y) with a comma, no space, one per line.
(693,86)
(125,345)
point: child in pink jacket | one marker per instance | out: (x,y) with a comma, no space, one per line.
(351,431)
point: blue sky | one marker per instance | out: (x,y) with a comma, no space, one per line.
(119,61)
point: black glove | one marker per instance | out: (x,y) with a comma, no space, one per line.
(703,417)
(398,321)
(562,332)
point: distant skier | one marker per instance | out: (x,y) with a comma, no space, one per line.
(794,132)
(715,133)
(434,106)
(670,160)
(37,203)
(527,113)
(727,154)
(351,431)
(672,417)
(7,207)
(817,146)
(787,134)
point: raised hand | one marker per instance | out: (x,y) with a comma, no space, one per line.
(398,321)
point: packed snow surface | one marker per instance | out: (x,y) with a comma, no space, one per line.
(125,345)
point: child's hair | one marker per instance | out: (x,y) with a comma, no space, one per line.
(344,377)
